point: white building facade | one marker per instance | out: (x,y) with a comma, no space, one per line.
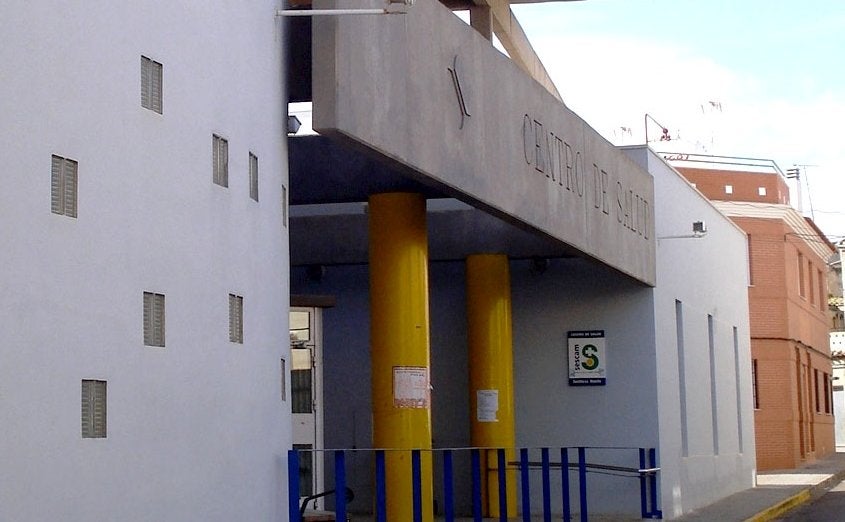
(702,346)
(145,269)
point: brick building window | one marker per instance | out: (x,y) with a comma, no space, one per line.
(750,264)
(826,392)
(729,189)
(811,437)
(816,389)
(810,274)
(801,288)
(822,292)
(755,395)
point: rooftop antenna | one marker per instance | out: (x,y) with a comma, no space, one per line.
(621,132)
(709,110)
(665,136)
(795,173)
(809,192)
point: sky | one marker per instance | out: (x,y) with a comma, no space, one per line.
(747,78)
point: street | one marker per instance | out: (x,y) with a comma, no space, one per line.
(828,507)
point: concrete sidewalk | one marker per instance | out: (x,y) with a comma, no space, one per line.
(776,493)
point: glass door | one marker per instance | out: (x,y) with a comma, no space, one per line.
(306,399)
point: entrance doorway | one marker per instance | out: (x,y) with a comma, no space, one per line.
(307,398)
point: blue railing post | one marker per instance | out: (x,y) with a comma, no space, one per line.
(526,492)
(448,493)
(475,454)
(482,473)
(652,463)
(340,484)
(564,483)
(381,493)
(503,485)
(547,487)
(293,485)
(643,493)
(582,482)
(416,477)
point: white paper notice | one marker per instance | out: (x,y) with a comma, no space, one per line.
(487,405)
(410,387)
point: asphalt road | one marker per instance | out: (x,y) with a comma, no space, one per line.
(829,507)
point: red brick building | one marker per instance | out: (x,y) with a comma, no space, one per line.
(790,348)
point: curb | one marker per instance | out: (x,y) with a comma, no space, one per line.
(781,507)
(797,499)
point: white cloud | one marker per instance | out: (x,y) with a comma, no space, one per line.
(613,82)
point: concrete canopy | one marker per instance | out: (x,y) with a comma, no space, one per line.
(430,97)
(330,184)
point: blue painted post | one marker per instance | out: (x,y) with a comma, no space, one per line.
(448,494)
(416,484)
(643,493)
(582,482)
(293,485)
(652,463)
(475,455)
(381,490)
(547,487)
(340,484)
(503,485)
(526,491)
(564,481)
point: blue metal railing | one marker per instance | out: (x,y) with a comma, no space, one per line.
(646,473)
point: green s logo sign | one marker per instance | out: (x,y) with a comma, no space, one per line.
(591,362)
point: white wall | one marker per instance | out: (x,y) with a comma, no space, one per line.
(709,277)
(197,429)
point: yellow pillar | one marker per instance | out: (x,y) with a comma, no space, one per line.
(491,370)
(399,348)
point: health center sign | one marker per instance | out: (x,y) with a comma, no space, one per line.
(587,356)
(429,96)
